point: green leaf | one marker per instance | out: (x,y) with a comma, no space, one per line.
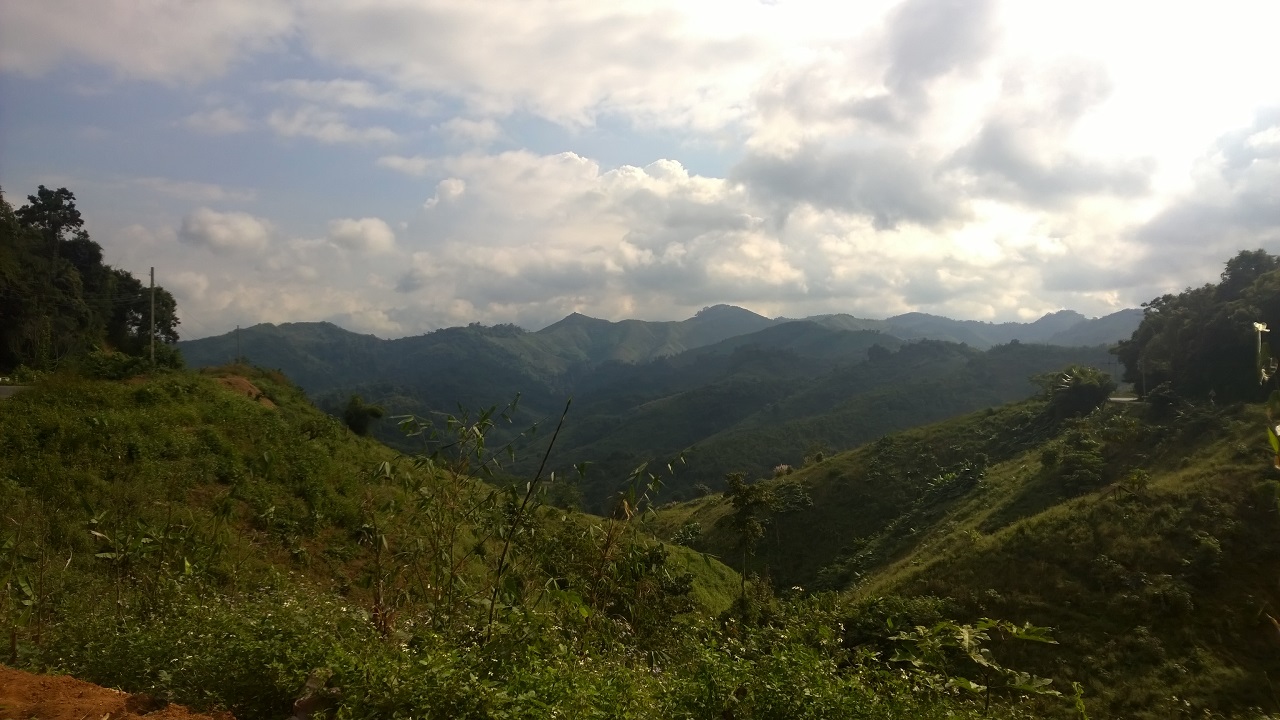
(966,684)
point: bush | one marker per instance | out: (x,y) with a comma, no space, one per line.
(111,365)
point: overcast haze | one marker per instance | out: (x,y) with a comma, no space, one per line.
(395,166)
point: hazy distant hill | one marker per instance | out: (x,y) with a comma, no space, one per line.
(746,390)
(983,335)
(321,355)
(758,407)
(1103,330)
(586,339)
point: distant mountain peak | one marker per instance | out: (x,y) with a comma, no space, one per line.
(716,312)
(1063,315)
(575,319)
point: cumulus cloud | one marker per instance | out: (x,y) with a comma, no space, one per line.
(1233,205)
(412,280)
(568,63)
(890,156)
(447,190)
(188,286)
(326,126)
(1022,152)
(1009,163)
(172,43)
(366,235)
(226,232)
(890,185)
(927,39)
(556,232)
(882,80)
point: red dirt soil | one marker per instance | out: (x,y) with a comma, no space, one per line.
(57,697)
(242,385)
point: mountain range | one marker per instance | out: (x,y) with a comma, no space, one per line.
(579,338)
(740,391)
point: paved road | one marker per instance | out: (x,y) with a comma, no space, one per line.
(7,390)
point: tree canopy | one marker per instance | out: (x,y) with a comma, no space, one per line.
(59,299)
(1202,340)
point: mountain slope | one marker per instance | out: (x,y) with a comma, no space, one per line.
(579,338)
(1146,540)
(747,392)
(774,407)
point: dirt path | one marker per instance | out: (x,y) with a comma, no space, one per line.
(24,696)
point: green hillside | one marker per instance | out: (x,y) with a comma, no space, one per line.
(1146,543)
(1146,533)
(214,540)
(745,393)
(761,408)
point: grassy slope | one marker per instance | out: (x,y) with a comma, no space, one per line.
(1160,589)
(192,542)
(284,487)
(1159,583)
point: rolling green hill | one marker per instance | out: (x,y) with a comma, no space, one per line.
(760,408)
(1148,544)
(214,540)
(1146,533)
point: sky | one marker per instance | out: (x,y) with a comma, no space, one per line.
(397,166)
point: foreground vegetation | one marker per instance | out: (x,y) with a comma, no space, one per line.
(214,540)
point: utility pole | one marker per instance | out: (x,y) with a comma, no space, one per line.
(153,316)
(238,355)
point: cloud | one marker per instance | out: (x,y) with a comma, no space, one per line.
(447,190)
(569,63)
(1023,151)
(890,185)
(196,192)
(416,165)
(188,286)
(551,232)
(1008,162)
(465,131)
(412,280)
(326,126)
(880,80)
(1233,204)
(927,39)
(357,94)
(226,233)
(169,42)
(217,121)
(366,235)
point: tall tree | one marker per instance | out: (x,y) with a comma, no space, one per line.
(53,213)
(1201,340)
(57,296)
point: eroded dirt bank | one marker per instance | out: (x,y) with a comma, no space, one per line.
(57,697)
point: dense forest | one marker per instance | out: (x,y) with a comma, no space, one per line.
(59,301)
